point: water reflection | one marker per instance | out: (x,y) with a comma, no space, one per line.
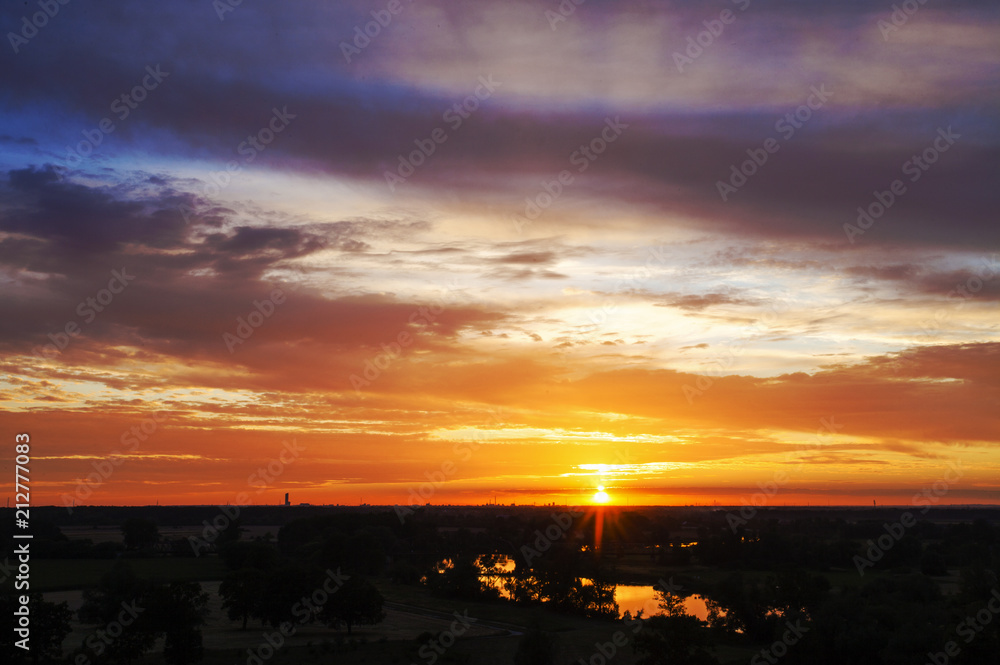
(633,598)
(630,598)
(496,562)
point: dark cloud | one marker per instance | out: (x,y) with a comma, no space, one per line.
(981,282)
(80,218)
(528,258)
(698,302)
(896,272)
(17,140)
(668,160)
(524,274)
(977,363)
(192,281)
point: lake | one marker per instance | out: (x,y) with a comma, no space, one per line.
(633,598)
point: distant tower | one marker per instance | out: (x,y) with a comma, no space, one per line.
(287,503)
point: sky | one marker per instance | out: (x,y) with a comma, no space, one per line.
(414,252)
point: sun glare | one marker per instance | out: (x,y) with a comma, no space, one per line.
(601,496)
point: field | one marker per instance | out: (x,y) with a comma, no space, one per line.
(410,611)
(415,614)
(61,574)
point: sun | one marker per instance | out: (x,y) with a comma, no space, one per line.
(601,496)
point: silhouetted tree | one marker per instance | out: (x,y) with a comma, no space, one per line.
(462,579)
(140,613)
(49,627)
(356,603)
(556,578)
(118,600)
(744,606)
(404,572)
(284,588)
(242,593)
(674,637)
(178,610)
(889,621)
(249,554)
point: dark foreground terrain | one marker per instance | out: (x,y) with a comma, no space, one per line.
(502,584)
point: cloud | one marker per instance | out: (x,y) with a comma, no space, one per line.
(981,282)
(194,279)
(698,302)
(354,121)
(17,140)
(529,258)
(792,323)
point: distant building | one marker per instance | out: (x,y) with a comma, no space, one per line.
(287,503)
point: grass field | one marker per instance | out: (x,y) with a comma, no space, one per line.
(413,611)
